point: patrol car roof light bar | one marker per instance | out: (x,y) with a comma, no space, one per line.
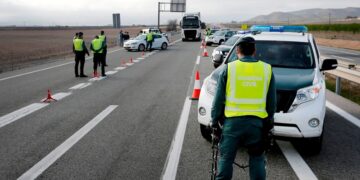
(268,28)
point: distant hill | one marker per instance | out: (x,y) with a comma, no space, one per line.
(308,16)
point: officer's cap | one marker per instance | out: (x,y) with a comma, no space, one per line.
(246,40)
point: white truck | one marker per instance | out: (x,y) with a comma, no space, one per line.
(191,26)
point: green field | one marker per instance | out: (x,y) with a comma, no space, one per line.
(354,28)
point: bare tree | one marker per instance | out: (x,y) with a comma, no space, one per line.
(172,25)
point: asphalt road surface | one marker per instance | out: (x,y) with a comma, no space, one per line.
(138,123)
(349,56)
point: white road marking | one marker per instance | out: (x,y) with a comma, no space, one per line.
(59,96)
(175,42)
(136,61)
(54,155)
(198,60)
(297,163)
(141,58)
(339,57)
(120,68)
(52,67)
(172,160)
(129,64)
(80,86)
(345,52)
(344,114)
(110,72)
(18,114)
(96,79)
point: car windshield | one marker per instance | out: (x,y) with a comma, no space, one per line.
(190,22)
(214,31)
(219,33)
(140,37)
(297,55)
(231,41)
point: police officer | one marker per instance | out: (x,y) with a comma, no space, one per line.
(79,49)
(103,38)
(208,32)
(97,46)
(246,96)
(149,40)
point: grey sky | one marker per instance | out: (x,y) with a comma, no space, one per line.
(98,12)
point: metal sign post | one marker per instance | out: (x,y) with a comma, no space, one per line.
(173,6)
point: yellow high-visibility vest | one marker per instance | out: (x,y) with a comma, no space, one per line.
(97,45)
(102,37)
(149,36)
(78,44)
(246,89)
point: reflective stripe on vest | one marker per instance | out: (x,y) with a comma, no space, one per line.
(246,89)
(78,44)
(97,45)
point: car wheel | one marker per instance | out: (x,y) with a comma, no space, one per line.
(183,39)
(164,46)
(205,132)
(208,43)
(313,145)
(220,42)
(141,47)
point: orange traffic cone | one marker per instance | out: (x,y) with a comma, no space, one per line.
(196,92)
(131,60)
(123,63)
(205,54)
(49,97)
(143,54)
(95,74)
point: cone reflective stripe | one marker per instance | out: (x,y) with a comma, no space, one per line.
(49,98)
(197,87)
(205,54)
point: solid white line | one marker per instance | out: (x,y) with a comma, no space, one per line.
(339,57)
(59,96)
(120,68)
(129,64)
(345,52)
(16,115)
(110,72)
(297,163)
(343,113)
(97,79)
(48,160)
(198,60)
(80,86)
(52,67)
(172,160)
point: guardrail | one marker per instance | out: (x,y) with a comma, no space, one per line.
(345,70)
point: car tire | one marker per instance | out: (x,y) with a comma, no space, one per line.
(141,47)
(208,43)
(164,46)
(220,42)
(183,39)
(205,132)
(313,145)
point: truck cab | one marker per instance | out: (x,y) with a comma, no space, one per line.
(191,27)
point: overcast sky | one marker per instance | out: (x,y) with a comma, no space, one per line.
(98,12)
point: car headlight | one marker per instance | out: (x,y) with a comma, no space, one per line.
(211,86)
(305,95)
(133,43)
(216,52)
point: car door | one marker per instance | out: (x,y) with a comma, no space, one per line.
(157,41)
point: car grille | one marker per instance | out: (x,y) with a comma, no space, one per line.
(284,100)
(190,33)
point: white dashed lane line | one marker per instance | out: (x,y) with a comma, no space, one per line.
(110,72)
(60,96)
(352,119)
(54,155)
(18,114)
(80,86)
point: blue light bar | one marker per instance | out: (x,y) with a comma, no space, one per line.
(268,28)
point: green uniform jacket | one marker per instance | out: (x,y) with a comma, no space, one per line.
(217,110)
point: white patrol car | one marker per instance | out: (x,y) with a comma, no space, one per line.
(139,43)
(219,37)
(299,78)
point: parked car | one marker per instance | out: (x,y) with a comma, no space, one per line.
(224,48)
(300,83)
(139,43)
(219,37)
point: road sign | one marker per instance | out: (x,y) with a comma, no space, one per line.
(178,6)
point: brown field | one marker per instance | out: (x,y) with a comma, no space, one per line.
(19,47)
(347,40)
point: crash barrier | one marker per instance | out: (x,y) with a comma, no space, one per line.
(345,80)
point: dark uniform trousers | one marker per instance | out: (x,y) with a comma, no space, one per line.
(149,45)
(99,59)
(79,58)
(104,55)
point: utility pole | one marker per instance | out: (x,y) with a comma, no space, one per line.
(158,15)
(329,18)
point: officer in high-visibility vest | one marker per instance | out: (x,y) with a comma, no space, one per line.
(103,38)
(97,46)
(246,96)
(149,40)
(79,49)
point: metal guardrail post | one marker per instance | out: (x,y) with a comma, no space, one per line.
(338,85)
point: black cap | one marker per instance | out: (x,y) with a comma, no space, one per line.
(81,33)
(246,40)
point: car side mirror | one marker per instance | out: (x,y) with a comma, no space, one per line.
(218,60)
(329,64)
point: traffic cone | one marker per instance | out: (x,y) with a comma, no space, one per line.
(131,60)
(49,97)
(123,63)
(143,54)
(205,54)
(96,74)
(196,92)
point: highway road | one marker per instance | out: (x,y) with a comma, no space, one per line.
(138,123)
(350,56)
